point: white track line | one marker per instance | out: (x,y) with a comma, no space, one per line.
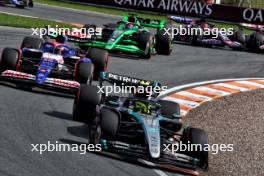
(190,104)
(186,86)
(8,13)
(251,83)
(210,90)
(159,172)
(183,112)
(241,89)
(192,95)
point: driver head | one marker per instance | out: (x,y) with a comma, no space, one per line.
(142,107)
(131,19)
(61,39)
(203,23)
(82,53)
(129,26)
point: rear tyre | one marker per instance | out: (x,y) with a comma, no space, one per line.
(99,58)
(194,40)
(109,122)
(9,59)
(163,43)
(32,42)
(85,103)
(90,29)
(197,136)
(84,72)
(30,3)
(89,26)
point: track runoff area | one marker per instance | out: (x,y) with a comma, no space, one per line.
(191,96)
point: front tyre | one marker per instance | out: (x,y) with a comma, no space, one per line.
(9,59)
(85,103)
(145,43)
(84,72)
(163,43)
(109,122)
(196,136)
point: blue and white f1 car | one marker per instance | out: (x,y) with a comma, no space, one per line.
(52,65)
(18,3)
(139,126)
(200,32)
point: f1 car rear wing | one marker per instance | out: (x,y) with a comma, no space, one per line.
(252,26)
(181,19)
(185,20)
(121,80)
(152,23)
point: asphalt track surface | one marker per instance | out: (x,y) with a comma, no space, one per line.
(30,118)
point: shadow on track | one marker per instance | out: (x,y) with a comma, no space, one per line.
(126,56)
(113,156)
(79,131)
(27,88)
(59,115)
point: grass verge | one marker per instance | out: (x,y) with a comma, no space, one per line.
(27,22)
(104,10)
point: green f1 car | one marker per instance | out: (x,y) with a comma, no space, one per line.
(131,35)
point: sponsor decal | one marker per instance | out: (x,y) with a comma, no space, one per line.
(183,6)
(128,79)
(192,8)
(253,15)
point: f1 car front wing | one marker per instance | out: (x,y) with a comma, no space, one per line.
(50,83)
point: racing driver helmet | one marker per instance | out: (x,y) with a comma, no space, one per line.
(203,23)
(129,25)
(61,39)
(142,107)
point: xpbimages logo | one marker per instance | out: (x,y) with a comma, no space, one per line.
(181,147)
(194,31)
(79,32)
(58,147)
(124,89)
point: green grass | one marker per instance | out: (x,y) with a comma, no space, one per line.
(104,10)
(27,22)
(257,4)
(253,3)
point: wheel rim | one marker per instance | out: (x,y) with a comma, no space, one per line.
(147,49)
